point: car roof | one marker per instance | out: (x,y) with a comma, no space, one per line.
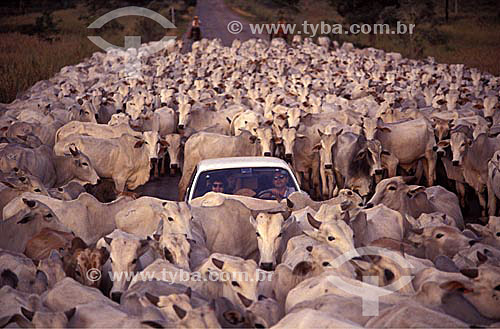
(241,162)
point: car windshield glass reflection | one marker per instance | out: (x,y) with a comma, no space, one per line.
(262,183)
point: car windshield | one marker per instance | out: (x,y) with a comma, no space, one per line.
(262,183)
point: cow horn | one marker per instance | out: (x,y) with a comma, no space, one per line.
(289,203)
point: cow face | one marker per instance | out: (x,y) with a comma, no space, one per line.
(124,255)
(240,280)
(325,146)
(374,157)
(265,138)
(386,270)
(392,192)
(82,168)
(459,144)
(152,143)
(84,260)
(174,144)
(293,118)
(184,113)
(35,211)
(336,234)
(175,248)
(176,219)
(485,294)
(166,304)
(289,136)
(269,229)
(441,240)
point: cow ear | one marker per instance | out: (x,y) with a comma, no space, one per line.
(105,255)
(9,278)
(218,263)
(471,273)
(144,245)
(108,240)
(233,317)
(168,255)
(313,222)
(414,191)
(302,268)
(70,313)
(289,203)
(181,313)
(152,298)
(29,203)
(27,313)
(78,243)
(245,301)
(454,286)
(252,139)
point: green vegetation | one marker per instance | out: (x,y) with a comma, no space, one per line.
(38,38)
(470,36)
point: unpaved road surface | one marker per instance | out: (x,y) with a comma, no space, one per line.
(214,19)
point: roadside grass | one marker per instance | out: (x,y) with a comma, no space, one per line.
(26,59)
(472,36)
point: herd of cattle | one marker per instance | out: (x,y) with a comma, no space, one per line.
(359,127)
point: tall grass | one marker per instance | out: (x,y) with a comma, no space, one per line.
(26,59)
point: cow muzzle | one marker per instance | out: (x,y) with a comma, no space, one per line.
(288,156)
(379,171)
(180,126)
(455,163)
(174,166)
(266,266)
(267,154)
(328,166)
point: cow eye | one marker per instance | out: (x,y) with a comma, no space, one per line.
(170,219)
(497,288)
(331,238)
(498,234)
(37,190)
(279,235)
(392,188)
(439,235)
(49,216)
(235,284)
(258,234)
(134,261)
(325,264)
(85,164)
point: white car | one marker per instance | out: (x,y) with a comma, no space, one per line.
(265,178)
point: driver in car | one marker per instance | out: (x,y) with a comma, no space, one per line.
(281,189)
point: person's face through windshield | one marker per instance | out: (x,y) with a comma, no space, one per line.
(218,186)
(280,180)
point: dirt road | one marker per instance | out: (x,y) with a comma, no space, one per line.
(215,17)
